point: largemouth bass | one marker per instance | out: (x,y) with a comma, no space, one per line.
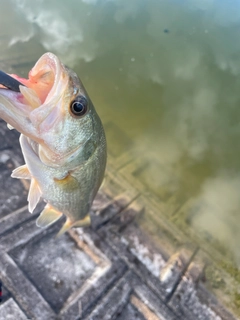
(62,140)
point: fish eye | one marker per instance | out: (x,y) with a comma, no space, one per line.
(79,106)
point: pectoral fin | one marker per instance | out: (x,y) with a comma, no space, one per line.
(34,195)
(48,216)
(85,222)
(69,183)
(21,172)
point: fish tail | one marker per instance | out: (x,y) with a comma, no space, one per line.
(85,222)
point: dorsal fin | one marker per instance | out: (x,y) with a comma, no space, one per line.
(48,216)
(85,222)
(21,172)
(33,195)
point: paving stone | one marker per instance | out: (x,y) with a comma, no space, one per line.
(192,300)
(10,311)
(130,313)
(40,278)
(114,196)
(155,180)
(12,193)
(15,218)
(56,267)
(159,270)
(8,138)
(142,309)
(109,269)
(131,298)
(113,302)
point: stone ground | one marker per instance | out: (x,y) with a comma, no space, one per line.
(111,270)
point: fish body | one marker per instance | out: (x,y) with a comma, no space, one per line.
(62,140)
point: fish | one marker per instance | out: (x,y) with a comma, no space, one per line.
(62,140)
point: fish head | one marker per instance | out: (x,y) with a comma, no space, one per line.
(53,110)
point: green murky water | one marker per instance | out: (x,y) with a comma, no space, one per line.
(167,75)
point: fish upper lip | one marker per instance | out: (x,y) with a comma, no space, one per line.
(9,82)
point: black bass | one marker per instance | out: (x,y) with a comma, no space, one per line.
(62,140)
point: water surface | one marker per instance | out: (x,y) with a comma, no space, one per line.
(167,74)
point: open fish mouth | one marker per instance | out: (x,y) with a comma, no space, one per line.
(32,105)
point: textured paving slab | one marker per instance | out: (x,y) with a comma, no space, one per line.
(11,311)
(130,298)
(112,270)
